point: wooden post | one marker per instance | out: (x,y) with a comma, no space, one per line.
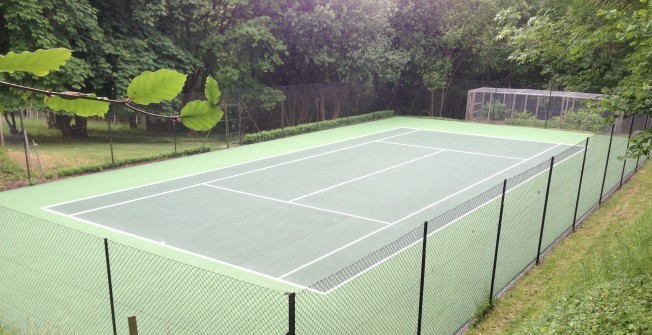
(133,325)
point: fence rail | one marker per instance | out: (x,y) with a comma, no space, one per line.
(58,280)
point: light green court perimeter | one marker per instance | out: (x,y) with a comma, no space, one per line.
(193,289)
(31,200)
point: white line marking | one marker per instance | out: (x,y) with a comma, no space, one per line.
(365,176)
(223,168)
(487,136)
(451,150)
(383,228)
(235,175)
(476,184)
(296,204)
(128,201)
(183,251)
(444,226)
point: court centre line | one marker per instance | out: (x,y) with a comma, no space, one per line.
(232,176)
(419,211)
(227,167)
(365,176)
(183,251)
(297,204)
(303,158)
(451,150)
(476,184)
(487,136)
(444,226)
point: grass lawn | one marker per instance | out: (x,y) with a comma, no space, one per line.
(50,152)
(595,281)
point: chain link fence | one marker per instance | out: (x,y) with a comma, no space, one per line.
(56,280)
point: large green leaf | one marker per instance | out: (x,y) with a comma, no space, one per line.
(200,115)
(154,87)
(213,93)
(40,63)
(81,107)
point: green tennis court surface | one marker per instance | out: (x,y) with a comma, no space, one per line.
(300,216)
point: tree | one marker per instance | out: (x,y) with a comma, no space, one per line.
(146,88)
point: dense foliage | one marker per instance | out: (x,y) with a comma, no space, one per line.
(386,46)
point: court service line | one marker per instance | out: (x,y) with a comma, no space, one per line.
(232,176)
(228,167)
(419,211)
(296,204)
(365,176)
(451,150)
(446,225)
(476,184)
(489,136)
(187,252)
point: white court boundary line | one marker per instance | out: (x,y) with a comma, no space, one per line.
(227,177)
(410,215)
(440,228)
(222,168)
(488,136)
(280,279)
(187,252)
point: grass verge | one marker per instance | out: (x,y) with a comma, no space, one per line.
(595,281)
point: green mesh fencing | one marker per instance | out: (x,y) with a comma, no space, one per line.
(54,280)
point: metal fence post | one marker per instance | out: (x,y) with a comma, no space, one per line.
(579,188)
(423,276)
(500,223)
(291,313)
(606,165)
(622,174)
(545,208)
(108,273)
(638,160)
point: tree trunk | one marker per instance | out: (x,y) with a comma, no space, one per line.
(13,129)
(63,122)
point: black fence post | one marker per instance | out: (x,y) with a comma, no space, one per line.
(291,313)
(606,165)
(108,273)
(579,188)
(500,224)
(174,135)
(423,276)
(545,208)
(638,160)
(629,137)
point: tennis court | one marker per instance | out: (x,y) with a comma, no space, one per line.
(301,216)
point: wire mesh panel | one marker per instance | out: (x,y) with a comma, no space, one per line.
(564,185)
(376,295)
(522,215)
(618,149)
(52,279)
(593,172)
(459,260)
(169,297)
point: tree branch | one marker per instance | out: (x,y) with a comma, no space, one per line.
(77,95)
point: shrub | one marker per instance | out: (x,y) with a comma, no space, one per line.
(496,110)
(273,134)
(584,119)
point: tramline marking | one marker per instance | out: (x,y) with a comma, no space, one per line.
(231,176)
(184,251)
(442,227)
(365,176)
(451,150)
(419,211)
(476,184)
(225,167)
(296,204)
